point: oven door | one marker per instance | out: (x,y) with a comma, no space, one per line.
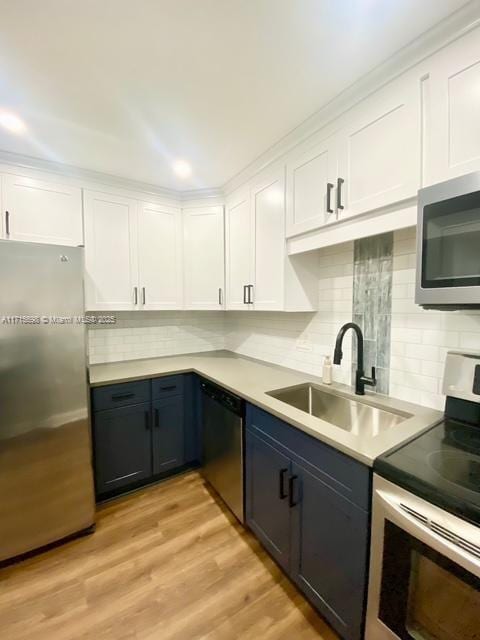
(448,258)
(424,570)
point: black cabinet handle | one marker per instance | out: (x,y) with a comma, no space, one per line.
(340,182)
(7,223)
(157,418)
(144,296)
(245,301)
(291,490)
(282,494)
(122,396)
(169,388)
(147,420)
(330,186)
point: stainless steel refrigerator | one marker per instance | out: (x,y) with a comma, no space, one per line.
(46,479)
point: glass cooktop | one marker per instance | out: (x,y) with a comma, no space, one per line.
(441,466)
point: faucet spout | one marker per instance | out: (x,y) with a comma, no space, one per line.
(360,378)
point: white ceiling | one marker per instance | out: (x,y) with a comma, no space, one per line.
(127,86)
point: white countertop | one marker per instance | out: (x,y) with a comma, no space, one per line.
(251,379)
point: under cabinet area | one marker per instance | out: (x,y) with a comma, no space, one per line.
(309,506)
(143,430)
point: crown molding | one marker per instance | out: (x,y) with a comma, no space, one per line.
(88,175)
(201,194)
(444,33)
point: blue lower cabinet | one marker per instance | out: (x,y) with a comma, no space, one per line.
(122,439)
(305,503)
(267,509)
(139,441)
(329,551)
(168,436)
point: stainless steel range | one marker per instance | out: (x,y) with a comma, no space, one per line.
(425,546)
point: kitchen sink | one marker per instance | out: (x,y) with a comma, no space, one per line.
(355,416)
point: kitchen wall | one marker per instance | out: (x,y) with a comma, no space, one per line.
(301,340)
(421,339)
(416,346)
(146,334)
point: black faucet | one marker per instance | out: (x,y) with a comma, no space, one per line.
(360,378)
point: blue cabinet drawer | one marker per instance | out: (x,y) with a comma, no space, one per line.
(346,476)
(120,395)
(167,386)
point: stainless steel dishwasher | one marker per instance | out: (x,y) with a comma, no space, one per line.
(223,442)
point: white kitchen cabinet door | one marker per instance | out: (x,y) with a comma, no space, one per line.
(379,153)
(111,268)
(41,211)
(452,111)
(239,250)
(268,212)
(204,251)
(160,262)
(311,180)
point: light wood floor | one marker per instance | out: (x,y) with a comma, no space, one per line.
(166,563)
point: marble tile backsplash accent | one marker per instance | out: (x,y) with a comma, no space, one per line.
(372,304)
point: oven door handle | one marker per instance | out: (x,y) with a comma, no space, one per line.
(435,527)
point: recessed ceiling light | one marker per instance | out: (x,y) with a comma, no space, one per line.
(182,169)
(11,122)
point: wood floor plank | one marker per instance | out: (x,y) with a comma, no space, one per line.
(165,563)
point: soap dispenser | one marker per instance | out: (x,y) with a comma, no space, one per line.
(327,370)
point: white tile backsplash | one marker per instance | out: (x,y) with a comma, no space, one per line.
(419,339)
(146,334)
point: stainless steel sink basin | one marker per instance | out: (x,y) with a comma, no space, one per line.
(340,410)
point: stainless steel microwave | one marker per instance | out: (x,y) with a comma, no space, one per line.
(448,244)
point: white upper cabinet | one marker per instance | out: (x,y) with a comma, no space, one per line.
(452,111)
(204,251)
(379,157)
(111,262)
(268,214)
(311,177)
(41,211)
(260,275)
(160,262)
(240,248)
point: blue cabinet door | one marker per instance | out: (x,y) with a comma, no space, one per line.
(266,502)
(122,447)
(329,551)
(168,434)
